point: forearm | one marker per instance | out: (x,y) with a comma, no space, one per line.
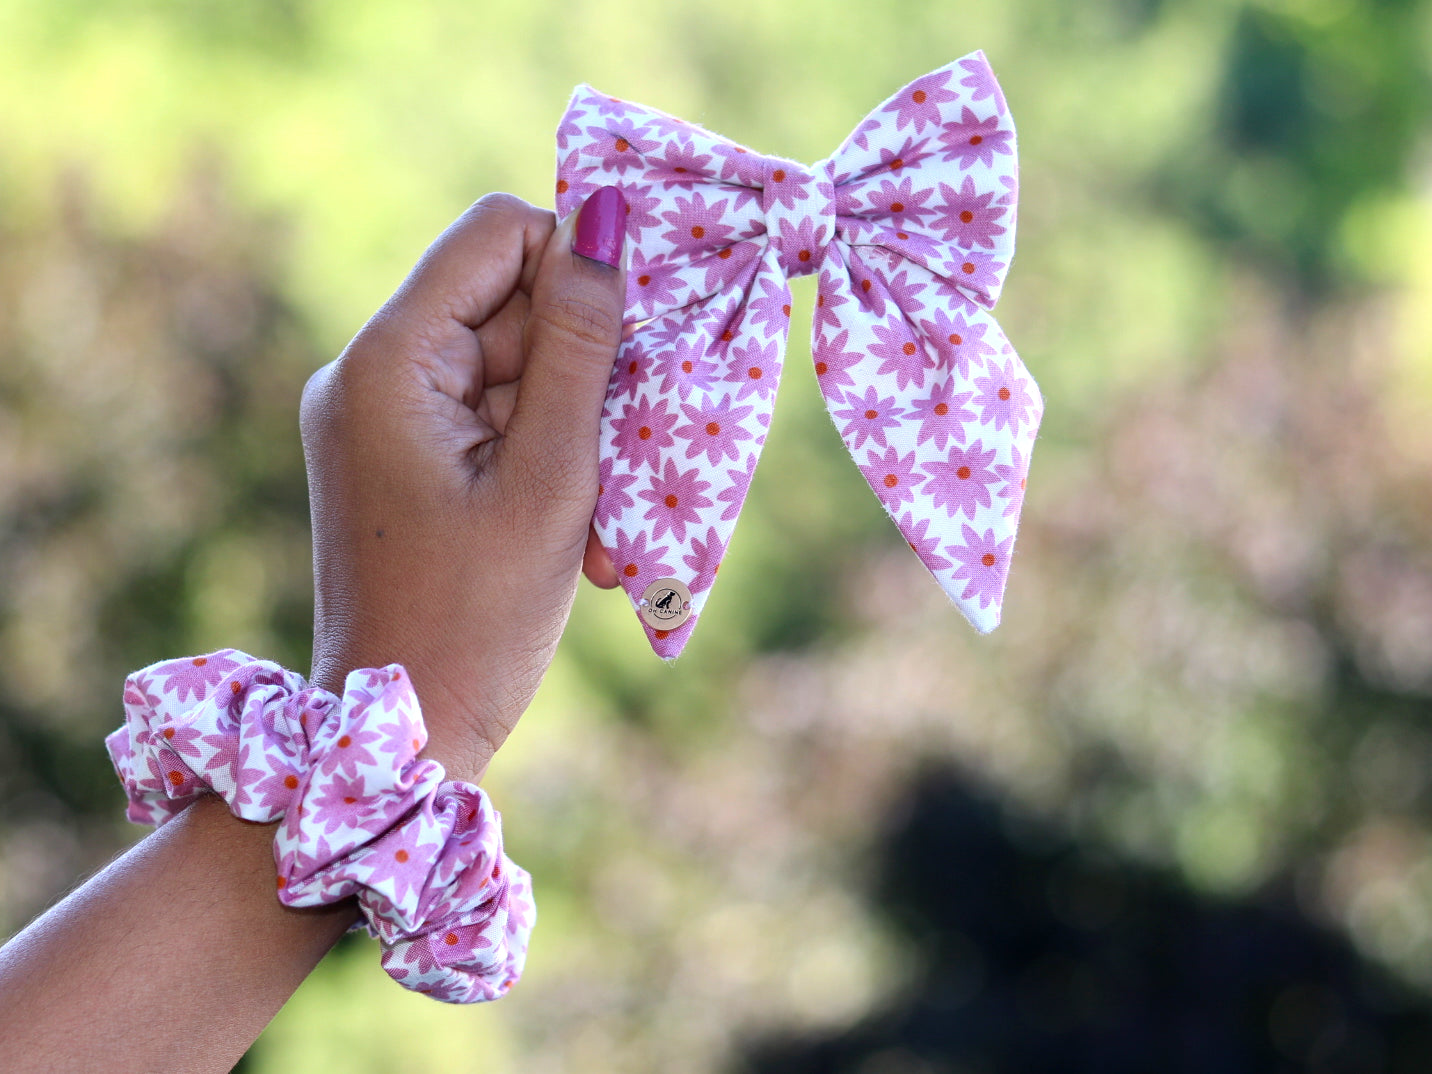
(174,957)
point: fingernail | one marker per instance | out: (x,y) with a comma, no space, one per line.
(601,226)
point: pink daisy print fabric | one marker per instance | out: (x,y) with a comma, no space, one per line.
(909,228)
(360,813)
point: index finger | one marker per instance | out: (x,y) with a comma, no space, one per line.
(473,268)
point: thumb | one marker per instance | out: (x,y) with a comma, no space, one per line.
(573,330)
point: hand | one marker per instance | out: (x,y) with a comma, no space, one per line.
(452,467)
(452,464)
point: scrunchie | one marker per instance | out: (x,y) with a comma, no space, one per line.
(360,813)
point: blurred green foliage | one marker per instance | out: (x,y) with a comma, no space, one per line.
(1218,642)
(1321,112)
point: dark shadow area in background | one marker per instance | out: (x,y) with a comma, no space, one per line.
(1038,958)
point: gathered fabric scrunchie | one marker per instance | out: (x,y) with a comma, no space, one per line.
(360,813)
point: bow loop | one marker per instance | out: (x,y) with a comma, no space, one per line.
(799,205)
(910,225)
(930,175)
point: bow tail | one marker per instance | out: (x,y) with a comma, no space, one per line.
(686,416)
(937,412)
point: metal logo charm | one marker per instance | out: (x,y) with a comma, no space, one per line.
(666,604)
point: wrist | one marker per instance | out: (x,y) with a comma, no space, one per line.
(462,741)
(361,812)
(246,848)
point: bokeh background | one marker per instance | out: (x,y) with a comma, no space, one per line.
(1175,815)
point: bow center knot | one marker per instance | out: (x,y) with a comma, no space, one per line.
(799,203)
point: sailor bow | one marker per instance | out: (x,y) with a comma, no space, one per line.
(910,226)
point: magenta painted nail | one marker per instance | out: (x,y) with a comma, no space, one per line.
(601,226)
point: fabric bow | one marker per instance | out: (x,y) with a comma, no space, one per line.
(910,225)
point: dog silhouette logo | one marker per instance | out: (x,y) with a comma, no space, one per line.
(666,604)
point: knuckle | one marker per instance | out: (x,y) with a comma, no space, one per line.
(497,206)
(586,322)
(316,387)
(316,404)
(502,202)
(349,388)
(371,362)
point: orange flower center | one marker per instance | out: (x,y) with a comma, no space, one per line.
(897,206)
(401,855)
(891,481)
(686,366)
(871,415)
(562,186)
(942,409)
(754,372)
(643,279)
(629,570)
(724,254)
(1004,393)
(698,231)
(909,348)
(897,164)
(623,145)
(967,216)
(977,139)
(344,742)
(968,267)
(290,781)
(712,429)
(644,433)
(987,559)
(671,501)
(918,96)
(821,369)
(963,473)
(779,175)
(956,338)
